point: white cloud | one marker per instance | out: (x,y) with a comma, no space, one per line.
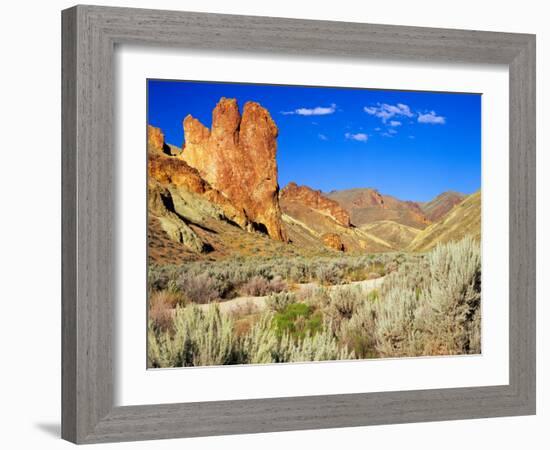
(431,117)
(395,123)
(385,111)
(377,129)
(392,131)
(361,137)
(322,137)
(317,111)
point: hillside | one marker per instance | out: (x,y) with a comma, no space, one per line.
(395,234)
(464,219)
(367,205)
(308,227)
(435,209)
(313,219)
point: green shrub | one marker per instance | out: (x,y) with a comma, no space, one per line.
(279,301)
(297,320)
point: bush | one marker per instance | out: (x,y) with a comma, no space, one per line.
(329,274)
(161,306)
(297,320)
(201,288)
(322,346)
(343,302)
(313,295)
(206,338)
(433,308)
(198,339)
(358,333)
(279,301)
(259,286)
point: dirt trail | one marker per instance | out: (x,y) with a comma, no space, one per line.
(257,304)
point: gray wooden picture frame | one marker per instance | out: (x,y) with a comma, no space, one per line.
(90,34)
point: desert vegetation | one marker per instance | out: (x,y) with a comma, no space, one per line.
(315,309)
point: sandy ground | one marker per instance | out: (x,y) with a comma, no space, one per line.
(257,304)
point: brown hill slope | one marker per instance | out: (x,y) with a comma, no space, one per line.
(396,234)
(367,205)
(436,208)
(310,198)
(464,219)
(307,227)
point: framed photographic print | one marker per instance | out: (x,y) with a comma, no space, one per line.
(266,230)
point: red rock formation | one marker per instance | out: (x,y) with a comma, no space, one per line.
(315,200)
(169,170)
(237,157)
(155,139)
(334,241)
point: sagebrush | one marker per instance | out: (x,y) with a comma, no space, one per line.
(426,305)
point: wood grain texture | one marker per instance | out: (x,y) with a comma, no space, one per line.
(68,225)
(89,266)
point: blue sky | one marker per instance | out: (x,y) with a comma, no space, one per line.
(413,145)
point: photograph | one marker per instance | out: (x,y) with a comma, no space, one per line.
(291,224)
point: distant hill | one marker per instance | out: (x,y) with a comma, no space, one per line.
(307,225)
(464,219)
(435,209)
(397,235)
(367,205)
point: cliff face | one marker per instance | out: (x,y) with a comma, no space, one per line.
(237,158)
(315,200)
(177,174)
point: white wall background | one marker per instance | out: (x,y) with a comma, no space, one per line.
(30,222)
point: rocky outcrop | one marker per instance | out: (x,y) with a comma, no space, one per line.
(315,200)
(333,241)
(237,158)
(161,206)
(155,141)
(176,173)
(157,144)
